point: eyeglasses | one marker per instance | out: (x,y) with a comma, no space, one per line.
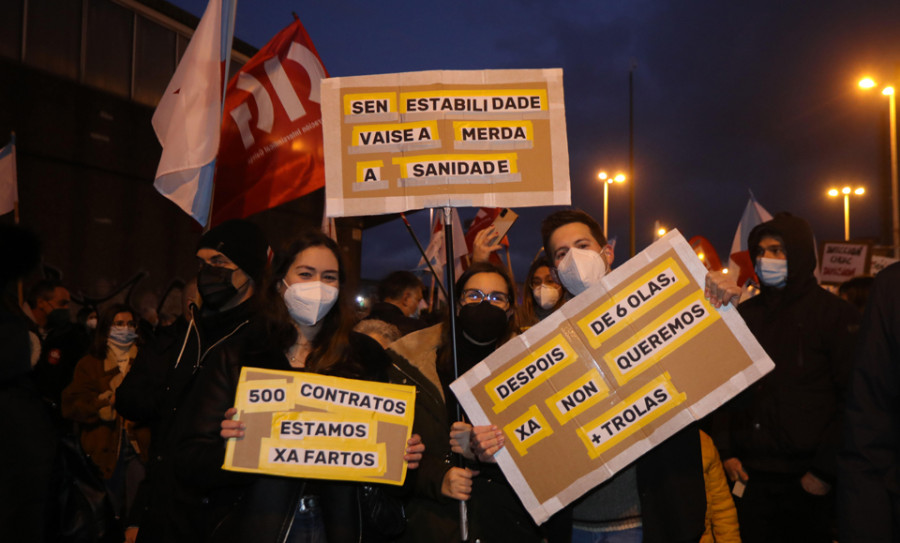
(475,296)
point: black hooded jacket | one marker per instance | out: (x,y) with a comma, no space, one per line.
(788,422)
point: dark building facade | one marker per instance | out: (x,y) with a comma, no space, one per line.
(79,80)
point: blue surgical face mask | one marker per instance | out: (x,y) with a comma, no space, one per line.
(772,272)
(122,335)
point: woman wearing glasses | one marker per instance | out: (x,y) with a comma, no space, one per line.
(485,319)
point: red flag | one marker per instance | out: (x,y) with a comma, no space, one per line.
(706,252)
(271,149)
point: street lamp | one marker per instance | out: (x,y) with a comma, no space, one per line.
(658,230)
(846,191)
(607,181)
(868,83)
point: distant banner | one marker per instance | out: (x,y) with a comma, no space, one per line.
(613,373)
(318,427)
(398,142)
(843,260)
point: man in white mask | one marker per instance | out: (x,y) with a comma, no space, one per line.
(578,249)
(661,497)
(780,437)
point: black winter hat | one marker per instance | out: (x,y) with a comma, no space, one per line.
(241,241)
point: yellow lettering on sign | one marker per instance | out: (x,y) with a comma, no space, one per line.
(369,171)
(640,296)
(637,411)
(370,103)
(529,372)
(659,338)
(331,459)
(457,165)
(586,391)
(474,101)
(493,131)
(373,135)
(527,430)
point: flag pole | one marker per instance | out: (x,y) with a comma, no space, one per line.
(20,290)
(451,302)
(422,251)
(229,7)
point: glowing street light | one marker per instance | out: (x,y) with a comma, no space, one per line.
(888,90)
(846,191)
(658,230)
(607,181)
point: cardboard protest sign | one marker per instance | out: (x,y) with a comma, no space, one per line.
(319,427)
(396,142)
(610,375)
(843,260)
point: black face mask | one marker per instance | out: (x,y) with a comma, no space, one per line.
(58,317)
(483,322)
(215,287)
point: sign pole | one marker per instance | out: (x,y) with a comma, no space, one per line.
(451,302)
(434,274)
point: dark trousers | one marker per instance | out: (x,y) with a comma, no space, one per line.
(775,508)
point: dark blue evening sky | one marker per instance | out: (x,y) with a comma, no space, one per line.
(728,97)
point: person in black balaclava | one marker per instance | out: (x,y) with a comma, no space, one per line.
(780,437)
(232,258)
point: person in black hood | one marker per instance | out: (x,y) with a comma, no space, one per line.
(779,437)
(232,259)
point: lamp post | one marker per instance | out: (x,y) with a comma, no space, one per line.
(868,83)
(846,191)
(607,181)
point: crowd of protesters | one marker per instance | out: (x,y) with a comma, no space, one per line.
(119,428)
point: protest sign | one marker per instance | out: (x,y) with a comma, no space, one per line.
(492,138)
(314,426)
(879,263)
(843,260)
(610,375)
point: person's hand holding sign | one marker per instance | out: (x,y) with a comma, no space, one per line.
(414,450)
(486,441)
(721,289)
(460,439)
(231,428)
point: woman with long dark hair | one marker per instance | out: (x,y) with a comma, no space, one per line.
(117,446)
(305,325)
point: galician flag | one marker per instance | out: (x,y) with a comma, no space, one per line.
(9,190)
(189,115)
(739,261)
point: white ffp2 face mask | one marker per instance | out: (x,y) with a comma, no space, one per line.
(581,269)
(546,296)
(309,302)
(772,272)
